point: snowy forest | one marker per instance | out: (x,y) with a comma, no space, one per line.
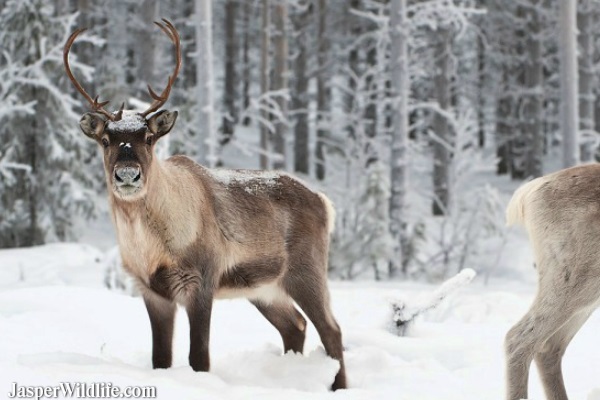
(417,118)
(410,115)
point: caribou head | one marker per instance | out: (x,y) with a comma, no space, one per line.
(128,137)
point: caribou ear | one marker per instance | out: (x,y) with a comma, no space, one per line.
(162,122)
(92,124)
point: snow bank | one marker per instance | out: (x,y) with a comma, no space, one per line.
(53,264)
(70,329)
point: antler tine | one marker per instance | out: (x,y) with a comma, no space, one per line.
(165,30)
(119,113)
(95,104)
(160,99)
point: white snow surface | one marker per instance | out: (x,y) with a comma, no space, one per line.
(58,324)
(130,122)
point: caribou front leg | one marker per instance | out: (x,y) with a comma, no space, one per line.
(162,317)
(199,311)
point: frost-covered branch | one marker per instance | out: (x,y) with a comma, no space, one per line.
(404,313)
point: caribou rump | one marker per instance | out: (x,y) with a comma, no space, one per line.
(561,213)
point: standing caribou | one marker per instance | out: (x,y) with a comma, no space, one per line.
(561,213)
(189,234)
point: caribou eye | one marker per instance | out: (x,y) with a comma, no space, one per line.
(105,142)
(149,140)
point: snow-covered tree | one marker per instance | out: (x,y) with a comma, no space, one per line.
(50,179)
(362,244)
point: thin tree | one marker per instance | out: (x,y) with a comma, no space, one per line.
(532,107)
(265,39)
(399,156)
(300,96)
(205,88)
(569,121)
(442,135)
(280,81)
(501,33)
(586,15)
(145,49)
(230,94)
(323,89)
(247,65)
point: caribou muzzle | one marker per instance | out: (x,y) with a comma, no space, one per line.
(127,179)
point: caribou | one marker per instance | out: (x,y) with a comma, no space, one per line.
(561,213)
(189,234)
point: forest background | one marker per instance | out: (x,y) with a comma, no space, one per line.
(413,116)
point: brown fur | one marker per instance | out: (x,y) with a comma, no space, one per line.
(188,238)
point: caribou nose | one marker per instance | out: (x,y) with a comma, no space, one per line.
(127,175)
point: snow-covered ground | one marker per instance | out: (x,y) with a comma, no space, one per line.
(58,324)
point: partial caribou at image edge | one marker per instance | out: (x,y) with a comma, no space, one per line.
(189,234)
(561,213)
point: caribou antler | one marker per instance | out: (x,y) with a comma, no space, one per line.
(97,106)
(161,99)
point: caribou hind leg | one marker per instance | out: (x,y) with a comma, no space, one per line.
(319,312)
(545,332)
(311,294)
(549,359)
(288,321)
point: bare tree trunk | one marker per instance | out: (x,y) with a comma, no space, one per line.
(441,153)
(533,101)
(399,156)
(382,120)
(483,82)
(300,97)
(519,144)
(280,80)
(264,79)
(569,124)
(188,35)
(204,71)
(230,94)
(503,134)
(371,105)
(587,97)
(501,34)
(246,75)
(114,62)
(481,91)
(33,236)
(145,48)
(354,58)
(323,90)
